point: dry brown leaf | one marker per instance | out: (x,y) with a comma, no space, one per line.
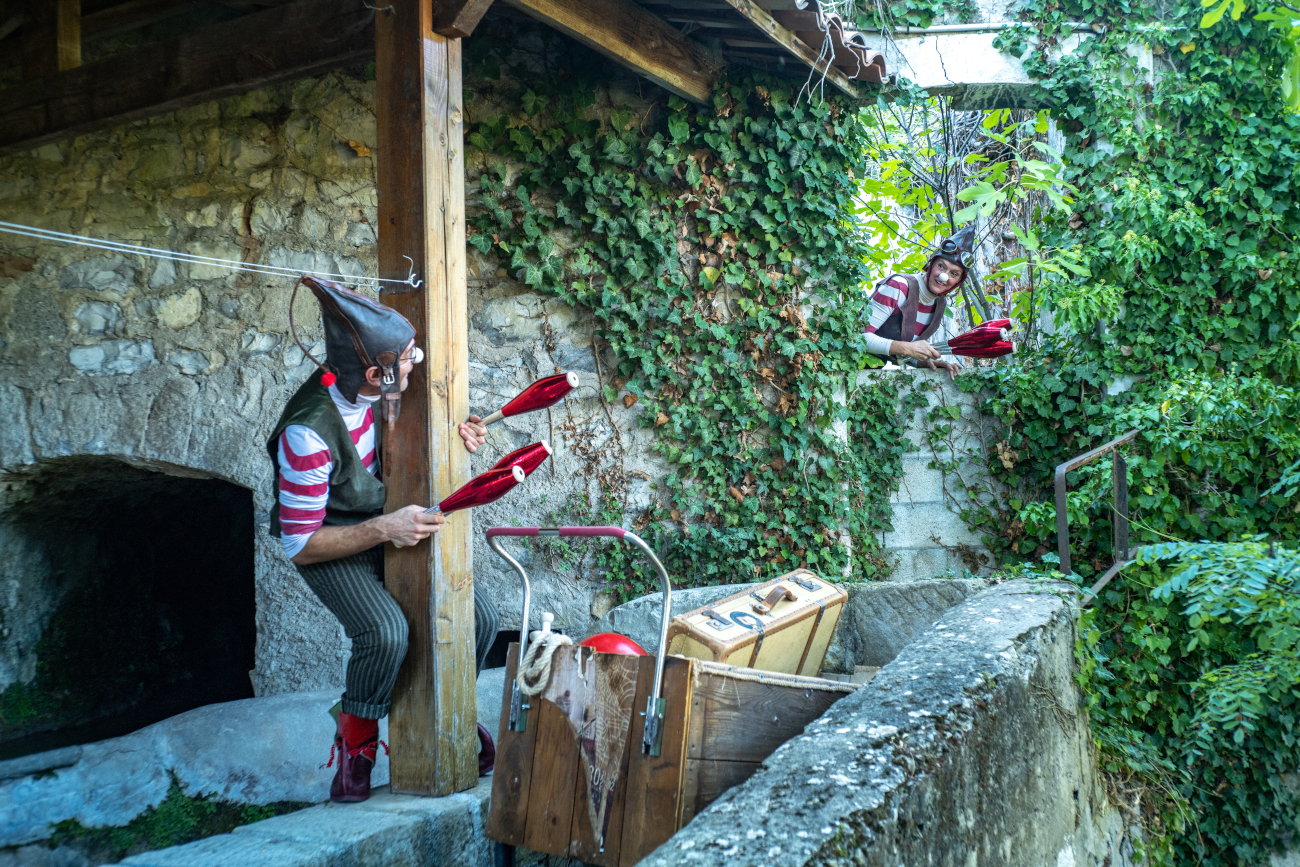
(628,400)
(661,419)
(736,494)
(358,148)
(777,464)
(767,373)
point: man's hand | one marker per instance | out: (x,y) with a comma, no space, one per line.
(409,525)
(953,367)
(473,433)
(916,349)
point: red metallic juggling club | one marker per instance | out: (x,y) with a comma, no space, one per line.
(543,393)
(480,490)
(527,458)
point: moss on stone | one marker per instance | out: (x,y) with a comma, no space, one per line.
(179,818)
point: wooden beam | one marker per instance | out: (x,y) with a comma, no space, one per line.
(420,162)
(51,37)
(133,15)
(11,16)
(303,38)
(628,34)
(794,45)
(458,18)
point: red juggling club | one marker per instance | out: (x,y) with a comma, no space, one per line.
(997,350)
(480,490)
(984,337)
(541,394)
(527,458)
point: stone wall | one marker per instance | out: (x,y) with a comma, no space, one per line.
(184,369)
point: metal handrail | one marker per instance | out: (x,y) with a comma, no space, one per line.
(1119,505)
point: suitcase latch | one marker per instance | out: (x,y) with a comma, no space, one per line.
(717,621)
(805,583)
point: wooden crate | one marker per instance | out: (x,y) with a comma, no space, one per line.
(783,625)
(720,722)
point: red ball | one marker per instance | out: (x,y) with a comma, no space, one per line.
(612,642)
(328,378)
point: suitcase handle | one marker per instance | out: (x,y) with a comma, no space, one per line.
(652,737)
(779,592)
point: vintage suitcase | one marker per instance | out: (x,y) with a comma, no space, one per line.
(782,625)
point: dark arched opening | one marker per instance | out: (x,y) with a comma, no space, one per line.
(135,599)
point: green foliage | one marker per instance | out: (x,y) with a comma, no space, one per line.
(1193,681)
(1183,327)
(178,818)
(717,250)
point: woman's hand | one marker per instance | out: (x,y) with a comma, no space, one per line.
(409,525)
(473,433)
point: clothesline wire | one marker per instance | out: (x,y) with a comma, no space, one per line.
(191,258)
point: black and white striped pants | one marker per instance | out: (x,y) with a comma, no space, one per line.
(353,589)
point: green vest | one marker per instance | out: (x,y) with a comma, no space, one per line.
(355,494)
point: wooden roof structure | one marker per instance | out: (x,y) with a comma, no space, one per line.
(216,48)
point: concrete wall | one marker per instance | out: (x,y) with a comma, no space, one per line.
(929,538)
(971,747)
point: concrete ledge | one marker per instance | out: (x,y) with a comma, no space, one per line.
(880,619)
(386,831)
(971,747)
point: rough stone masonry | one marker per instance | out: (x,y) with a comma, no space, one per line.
(183,369)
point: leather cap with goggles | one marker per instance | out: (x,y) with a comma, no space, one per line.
(957,249)
(360,333)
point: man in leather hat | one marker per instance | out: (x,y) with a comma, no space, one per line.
(329,511)
(907,308)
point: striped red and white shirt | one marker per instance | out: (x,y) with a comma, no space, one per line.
(305,466)
(885,303)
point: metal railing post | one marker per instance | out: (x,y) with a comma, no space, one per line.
(1119,486)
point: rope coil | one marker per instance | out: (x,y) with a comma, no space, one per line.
(535,669)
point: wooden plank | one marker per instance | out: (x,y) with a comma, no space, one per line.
(421,186)
(715,777)
(51,37)
(654,793)
(307,37)
(556,767)
(628,34)
(457,18)
(585,846)
(793,44)
(11,16)
(513,775)
(694,748)
(745,721)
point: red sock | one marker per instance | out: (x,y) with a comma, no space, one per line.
(357,730)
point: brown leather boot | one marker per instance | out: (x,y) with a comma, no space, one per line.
(357,743)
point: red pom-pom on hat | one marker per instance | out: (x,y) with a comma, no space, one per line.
(328,378)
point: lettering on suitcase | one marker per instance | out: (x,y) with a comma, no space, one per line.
(782,625)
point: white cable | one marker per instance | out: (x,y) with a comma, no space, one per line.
(190,258)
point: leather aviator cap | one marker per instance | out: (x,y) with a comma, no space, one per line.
(359,334)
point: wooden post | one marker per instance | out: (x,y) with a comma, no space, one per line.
(421,184)
(51,37)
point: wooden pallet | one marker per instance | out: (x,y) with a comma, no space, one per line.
(720,722)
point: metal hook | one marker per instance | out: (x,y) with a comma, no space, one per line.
(410,277)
